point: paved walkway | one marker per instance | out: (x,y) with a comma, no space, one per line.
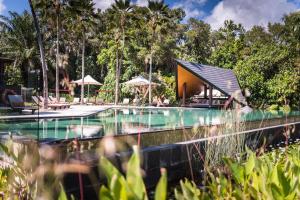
(74,111)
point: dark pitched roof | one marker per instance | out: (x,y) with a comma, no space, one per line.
(221,79)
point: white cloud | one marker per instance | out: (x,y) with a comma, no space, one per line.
(103,4)
(249,12)
(191,8)
(2,6)
(142,2)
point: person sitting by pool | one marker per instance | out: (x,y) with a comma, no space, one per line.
(154,101)
(160,101)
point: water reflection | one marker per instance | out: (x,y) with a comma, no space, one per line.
(128,121)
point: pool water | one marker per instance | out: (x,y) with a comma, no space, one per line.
(127,121)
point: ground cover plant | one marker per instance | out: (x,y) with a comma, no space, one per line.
(273,175)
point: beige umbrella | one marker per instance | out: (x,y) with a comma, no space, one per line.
(139,81)
(88,80)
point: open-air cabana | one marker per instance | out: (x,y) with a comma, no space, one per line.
(200,85)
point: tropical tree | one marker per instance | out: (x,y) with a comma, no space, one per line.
(197,41)
(18,42)
(120,9)
(157,16)
(42,55)
(228,43)
(51,12)
(82,22)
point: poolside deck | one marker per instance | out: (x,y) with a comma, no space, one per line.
(74,111)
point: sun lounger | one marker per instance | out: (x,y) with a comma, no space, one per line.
(17,104)
(62,100)
(62,105)
(99,101)
(88,102)
(136,102)
(154,102)
(166,102)
(125,101)
(76,101)
(39,102)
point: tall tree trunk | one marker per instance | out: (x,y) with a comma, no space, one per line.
(150,78)
(151,62)
(82,70)
(117,77)
(120,64)
(42,54)
(57,61)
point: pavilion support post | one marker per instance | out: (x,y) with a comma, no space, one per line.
(184,94)
(205,91)
(210,96)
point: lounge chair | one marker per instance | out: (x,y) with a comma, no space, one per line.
(154,102)
(136,102)
(99,101)
(76,101)
(166,102)
(88,102)
(17,104)
(50,102)
(62,100)
(39,102)
(125,101)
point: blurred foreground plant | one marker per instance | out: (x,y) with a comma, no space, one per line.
(131,187)
(30,171)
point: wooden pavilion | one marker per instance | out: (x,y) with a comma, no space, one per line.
(200,85)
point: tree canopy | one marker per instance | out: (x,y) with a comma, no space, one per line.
(123,41)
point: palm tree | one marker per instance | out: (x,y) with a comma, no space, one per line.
(18,41)
(82,23)
(52,11)
(121,9)
(42,55)
(157,17)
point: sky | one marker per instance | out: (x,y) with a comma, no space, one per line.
(214,12)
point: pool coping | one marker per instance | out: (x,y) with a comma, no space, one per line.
(54,115)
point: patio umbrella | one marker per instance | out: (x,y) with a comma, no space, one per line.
(139,81)
(88,80)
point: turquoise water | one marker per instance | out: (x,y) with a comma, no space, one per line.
(126,121)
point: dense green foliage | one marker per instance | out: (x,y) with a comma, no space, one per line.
(124,40)
(271,176)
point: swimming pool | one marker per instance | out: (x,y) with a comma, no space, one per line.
(121,121)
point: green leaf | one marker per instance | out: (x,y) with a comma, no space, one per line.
(161,188)
(274,176)
(284,182)
(116,182)
(250,164)
(237,171)
(104,194)
(62,194)
(134,175)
